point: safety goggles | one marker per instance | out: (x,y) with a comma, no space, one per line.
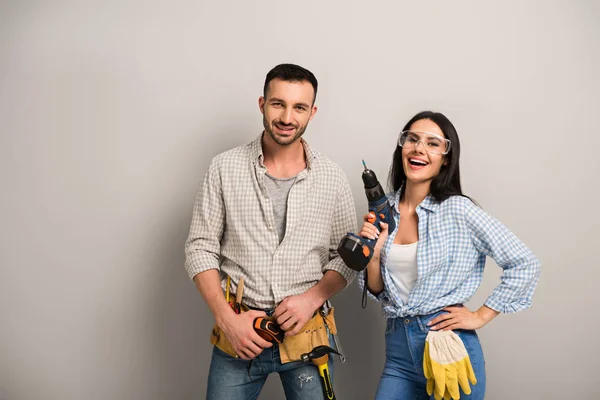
(432,143)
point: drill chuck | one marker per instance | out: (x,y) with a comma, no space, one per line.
(373,188)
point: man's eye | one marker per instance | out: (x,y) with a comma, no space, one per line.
(300,108)
(276,104)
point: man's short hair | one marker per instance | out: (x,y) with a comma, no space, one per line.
(291,73)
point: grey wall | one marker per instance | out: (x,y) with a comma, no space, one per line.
(110,113)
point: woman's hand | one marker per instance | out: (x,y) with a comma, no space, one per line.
(369,231)
(460,317)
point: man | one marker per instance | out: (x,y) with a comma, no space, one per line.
(271,212)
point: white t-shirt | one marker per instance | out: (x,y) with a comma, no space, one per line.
(401,264)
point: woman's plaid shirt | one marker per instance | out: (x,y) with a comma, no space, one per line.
(455,236)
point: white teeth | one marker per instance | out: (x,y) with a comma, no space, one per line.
(413,160)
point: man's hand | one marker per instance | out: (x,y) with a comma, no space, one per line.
(294,312)
(239,330)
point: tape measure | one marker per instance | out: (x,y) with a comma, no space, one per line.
(268,330)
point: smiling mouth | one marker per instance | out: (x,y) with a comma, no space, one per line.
(417,163)
(285,128)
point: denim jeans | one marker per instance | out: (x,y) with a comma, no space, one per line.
(403,376)
(230,379)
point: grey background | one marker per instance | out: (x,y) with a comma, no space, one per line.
(111,111)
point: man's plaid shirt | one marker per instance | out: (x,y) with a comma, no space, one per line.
(233,228)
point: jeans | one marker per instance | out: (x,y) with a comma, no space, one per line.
(230,379)
(403,376)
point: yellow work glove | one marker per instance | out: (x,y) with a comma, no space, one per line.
(430,378)
(446,365)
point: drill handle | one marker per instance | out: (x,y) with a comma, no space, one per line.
(375,219)
(382,212)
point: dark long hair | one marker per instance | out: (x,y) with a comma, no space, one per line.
(447,182)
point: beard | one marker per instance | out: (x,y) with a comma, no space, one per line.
(283,140)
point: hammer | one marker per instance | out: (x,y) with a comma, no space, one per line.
(319,356)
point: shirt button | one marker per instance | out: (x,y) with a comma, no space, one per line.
(406,321)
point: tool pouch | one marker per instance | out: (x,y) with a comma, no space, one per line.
(217,338)
(313,334)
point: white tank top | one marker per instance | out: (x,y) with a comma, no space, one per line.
(401,264)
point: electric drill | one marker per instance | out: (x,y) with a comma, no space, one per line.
(356,251)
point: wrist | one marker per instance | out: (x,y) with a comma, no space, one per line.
(223,314)
(374,264)
(486,314)
(315,298)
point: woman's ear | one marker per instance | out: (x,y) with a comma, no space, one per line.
(446,162)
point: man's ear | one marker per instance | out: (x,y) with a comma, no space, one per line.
(261,104)
(313,111)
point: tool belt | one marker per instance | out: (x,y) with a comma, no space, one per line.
(313,334)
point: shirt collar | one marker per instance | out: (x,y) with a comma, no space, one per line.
(256,151)
(429,203)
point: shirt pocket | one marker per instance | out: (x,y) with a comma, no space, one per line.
(432,255)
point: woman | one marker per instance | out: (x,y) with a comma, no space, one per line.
(433,262)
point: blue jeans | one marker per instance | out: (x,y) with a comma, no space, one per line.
(230,379)
(403,376)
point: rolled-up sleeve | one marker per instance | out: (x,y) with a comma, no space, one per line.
(344,221)
(202,248)
(521,267)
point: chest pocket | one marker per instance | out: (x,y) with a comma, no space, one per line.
(432,255)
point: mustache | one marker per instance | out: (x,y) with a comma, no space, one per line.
(278,122)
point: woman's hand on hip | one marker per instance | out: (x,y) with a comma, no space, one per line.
(460,317)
